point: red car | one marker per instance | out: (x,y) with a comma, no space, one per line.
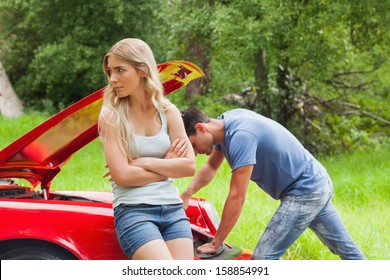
(37,223)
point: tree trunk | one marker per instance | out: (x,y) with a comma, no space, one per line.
(10,105)
(263,101)
(199,86)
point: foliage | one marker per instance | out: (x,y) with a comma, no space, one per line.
(321,68)
(54,49)
(317,64)
(311,58)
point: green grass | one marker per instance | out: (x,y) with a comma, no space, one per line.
(361,180)
(13,128)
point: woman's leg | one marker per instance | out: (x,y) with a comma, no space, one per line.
(154,250)
(176,231)
(181,248)
(137,228)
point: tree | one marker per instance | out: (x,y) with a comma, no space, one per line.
(54,49)
(186,24)
(321,68)
(306,61)
(10,104)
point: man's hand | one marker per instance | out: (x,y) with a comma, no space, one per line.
(186,200)
(208,248)
(178,149)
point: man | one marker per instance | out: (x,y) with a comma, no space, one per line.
(261,150)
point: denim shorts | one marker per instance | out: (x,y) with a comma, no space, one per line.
(139,224)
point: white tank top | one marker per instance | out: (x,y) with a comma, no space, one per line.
(156,193)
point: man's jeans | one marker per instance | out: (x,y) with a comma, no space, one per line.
(296,213)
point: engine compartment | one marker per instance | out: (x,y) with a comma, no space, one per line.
(10,189)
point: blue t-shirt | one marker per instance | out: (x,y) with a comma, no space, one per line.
(281,164)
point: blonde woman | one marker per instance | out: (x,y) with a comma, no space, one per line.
(145,146)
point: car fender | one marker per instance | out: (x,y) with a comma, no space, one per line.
(83,229)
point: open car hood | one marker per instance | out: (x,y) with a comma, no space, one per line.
(38,155)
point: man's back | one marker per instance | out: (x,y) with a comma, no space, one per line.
(281,164)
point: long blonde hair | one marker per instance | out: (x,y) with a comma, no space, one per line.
(138,54)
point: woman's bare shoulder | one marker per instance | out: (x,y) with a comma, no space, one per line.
(172,110)
(107,116)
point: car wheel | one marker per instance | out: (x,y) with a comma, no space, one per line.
(34,253)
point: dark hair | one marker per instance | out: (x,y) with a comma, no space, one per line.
(191,116)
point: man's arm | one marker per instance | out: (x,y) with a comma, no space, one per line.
(232,208)
(206,173)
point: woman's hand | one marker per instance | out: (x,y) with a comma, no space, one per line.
(178,149)
(107,174)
